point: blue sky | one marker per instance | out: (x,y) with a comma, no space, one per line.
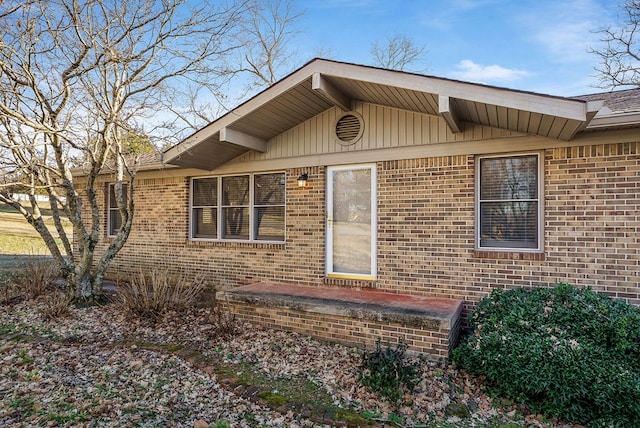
(534,45)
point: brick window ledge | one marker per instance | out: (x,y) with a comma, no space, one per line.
(508,255)
(232,244)
(349,283)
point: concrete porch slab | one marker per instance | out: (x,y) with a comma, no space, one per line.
(419,311)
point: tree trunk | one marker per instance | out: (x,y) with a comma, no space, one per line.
(84,287)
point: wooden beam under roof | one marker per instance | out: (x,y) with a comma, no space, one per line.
(448,113)
(228,135)
(325,88)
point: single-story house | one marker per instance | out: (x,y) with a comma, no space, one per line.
(353,203)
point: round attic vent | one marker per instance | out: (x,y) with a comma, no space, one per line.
(349,128)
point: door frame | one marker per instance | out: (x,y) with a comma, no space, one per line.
(329,223)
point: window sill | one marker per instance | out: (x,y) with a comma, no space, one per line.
(508,255)
(229,244)
(349,282)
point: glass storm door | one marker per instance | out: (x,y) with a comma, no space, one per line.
(351,221)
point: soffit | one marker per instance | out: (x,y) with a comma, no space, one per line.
(323,84)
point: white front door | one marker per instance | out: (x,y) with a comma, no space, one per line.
(351,221)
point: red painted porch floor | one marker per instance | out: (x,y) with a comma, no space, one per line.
(345,301)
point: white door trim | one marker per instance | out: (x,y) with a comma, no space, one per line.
(329,223)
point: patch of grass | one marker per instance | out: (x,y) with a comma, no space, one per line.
(24,357)
(274,399)
(169,347)
(7,328)
(24,333)
(21,244)
(354,419)
(25,404)
(62,419)
(19,237)
(296,393)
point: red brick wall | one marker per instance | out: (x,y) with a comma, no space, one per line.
(425,230)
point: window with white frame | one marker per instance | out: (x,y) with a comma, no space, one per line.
(247,207)
(114,218)
(508,202)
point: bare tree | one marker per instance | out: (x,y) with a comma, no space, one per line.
(620,58)
(75,78)
(397,52)
(265,36)
(262,37)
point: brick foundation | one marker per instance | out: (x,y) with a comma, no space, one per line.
(354,317)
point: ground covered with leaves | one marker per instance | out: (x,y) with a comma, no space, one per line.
(100,367)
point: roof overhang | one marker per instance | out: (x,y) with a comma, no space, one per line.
(323,84)
(608,119)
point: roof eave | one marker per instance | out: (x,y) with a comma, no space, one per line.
(575,113)
(615,120)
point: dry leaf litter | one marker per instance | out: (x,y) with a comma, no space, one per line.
(96,368)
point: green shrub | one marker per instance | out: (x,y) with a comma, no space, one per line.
(566,352)
(384,370)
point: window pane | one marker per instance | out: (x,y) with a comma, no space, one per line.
(205,192)
(352,196)
(113,203)
(205,222)
(352,215)
(509,178)
(235,190)
(269,222)
(509,224)
(236,223)
(112,196)
(115,221)
(269,189)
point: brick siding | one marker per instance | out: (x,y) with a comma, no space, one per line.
(425,230)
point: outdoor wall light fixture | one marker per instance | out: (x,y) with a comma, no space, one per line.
(303,180)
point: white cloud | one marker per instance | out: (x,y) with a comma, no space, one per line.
(567,29)
(496,74)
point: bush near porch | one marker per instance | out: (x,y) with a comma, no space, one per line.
(566,352)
